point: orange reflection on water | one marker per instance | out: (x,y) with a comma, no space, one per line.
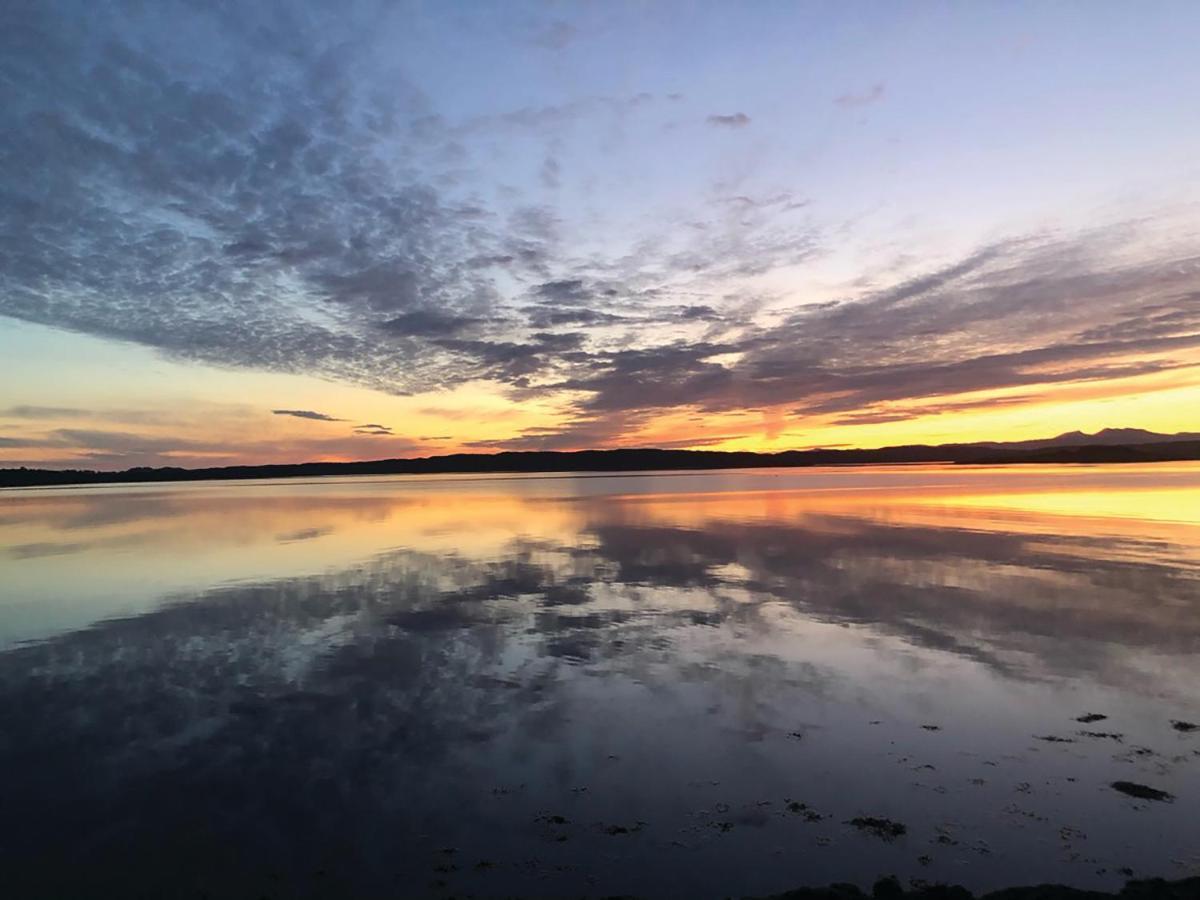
(115,550)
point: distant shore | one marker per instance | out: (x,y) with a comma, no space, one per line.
(631,460)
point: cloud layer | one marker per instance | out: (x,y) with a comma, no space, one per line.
(265,187)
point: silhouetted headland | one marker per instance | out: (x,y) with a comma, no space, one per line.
(1073,447)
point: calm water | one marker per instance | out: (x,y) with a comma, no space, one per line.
(668,684)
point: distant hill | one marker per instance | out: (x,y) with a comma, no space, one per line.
(1107,437)
(1073,447)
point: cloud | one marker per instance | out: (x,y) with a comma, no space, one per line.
(866,98)
(555,36)
(112,450)
(43,412)
(734,120)
(885,412)
(124,416)
(306,414)
(259,209)
(428,323)
(277,211)
(565,291)
(278,196)
(373,429)
(554,117)
(784,200)
(550,173)
(1022,312)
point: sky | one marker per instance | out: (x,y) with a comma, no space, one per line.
(257,232)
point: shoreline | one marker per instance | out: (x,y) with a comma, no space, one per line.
(621,461)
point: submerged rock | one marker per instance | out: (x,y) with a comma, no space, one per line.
(884,828)
(1141,791)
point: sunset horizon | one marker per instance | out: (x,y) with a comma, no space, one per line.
(599,448)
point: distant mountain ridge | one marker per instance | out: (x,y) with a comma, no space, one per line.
(1112,445)
(1106,437)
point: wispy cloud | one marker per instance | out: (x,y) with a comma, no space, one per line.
(732,120)
(555,36)
(866,98)
(306,414)
(42,412)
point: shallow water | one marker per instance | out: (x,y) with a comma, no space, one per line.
(663,684)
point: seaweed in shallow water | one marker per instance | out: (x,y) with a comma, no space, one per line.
(884,828)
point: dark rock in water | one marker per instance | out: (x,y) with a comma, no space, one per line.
(884,828)
(1053,739)
(1141,791)
(626,829)
(1185,727)
(1089,718)
(803,809)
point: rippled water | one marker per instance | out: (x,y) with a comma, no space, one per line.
(664,684)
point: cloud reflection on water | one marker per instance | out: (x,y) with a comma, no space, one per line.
(687,660)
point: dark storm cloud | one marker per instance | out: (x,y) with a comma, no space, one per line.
(734,120)
(306,414)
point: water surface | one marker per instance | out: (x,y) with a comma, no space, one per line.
(658,684)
